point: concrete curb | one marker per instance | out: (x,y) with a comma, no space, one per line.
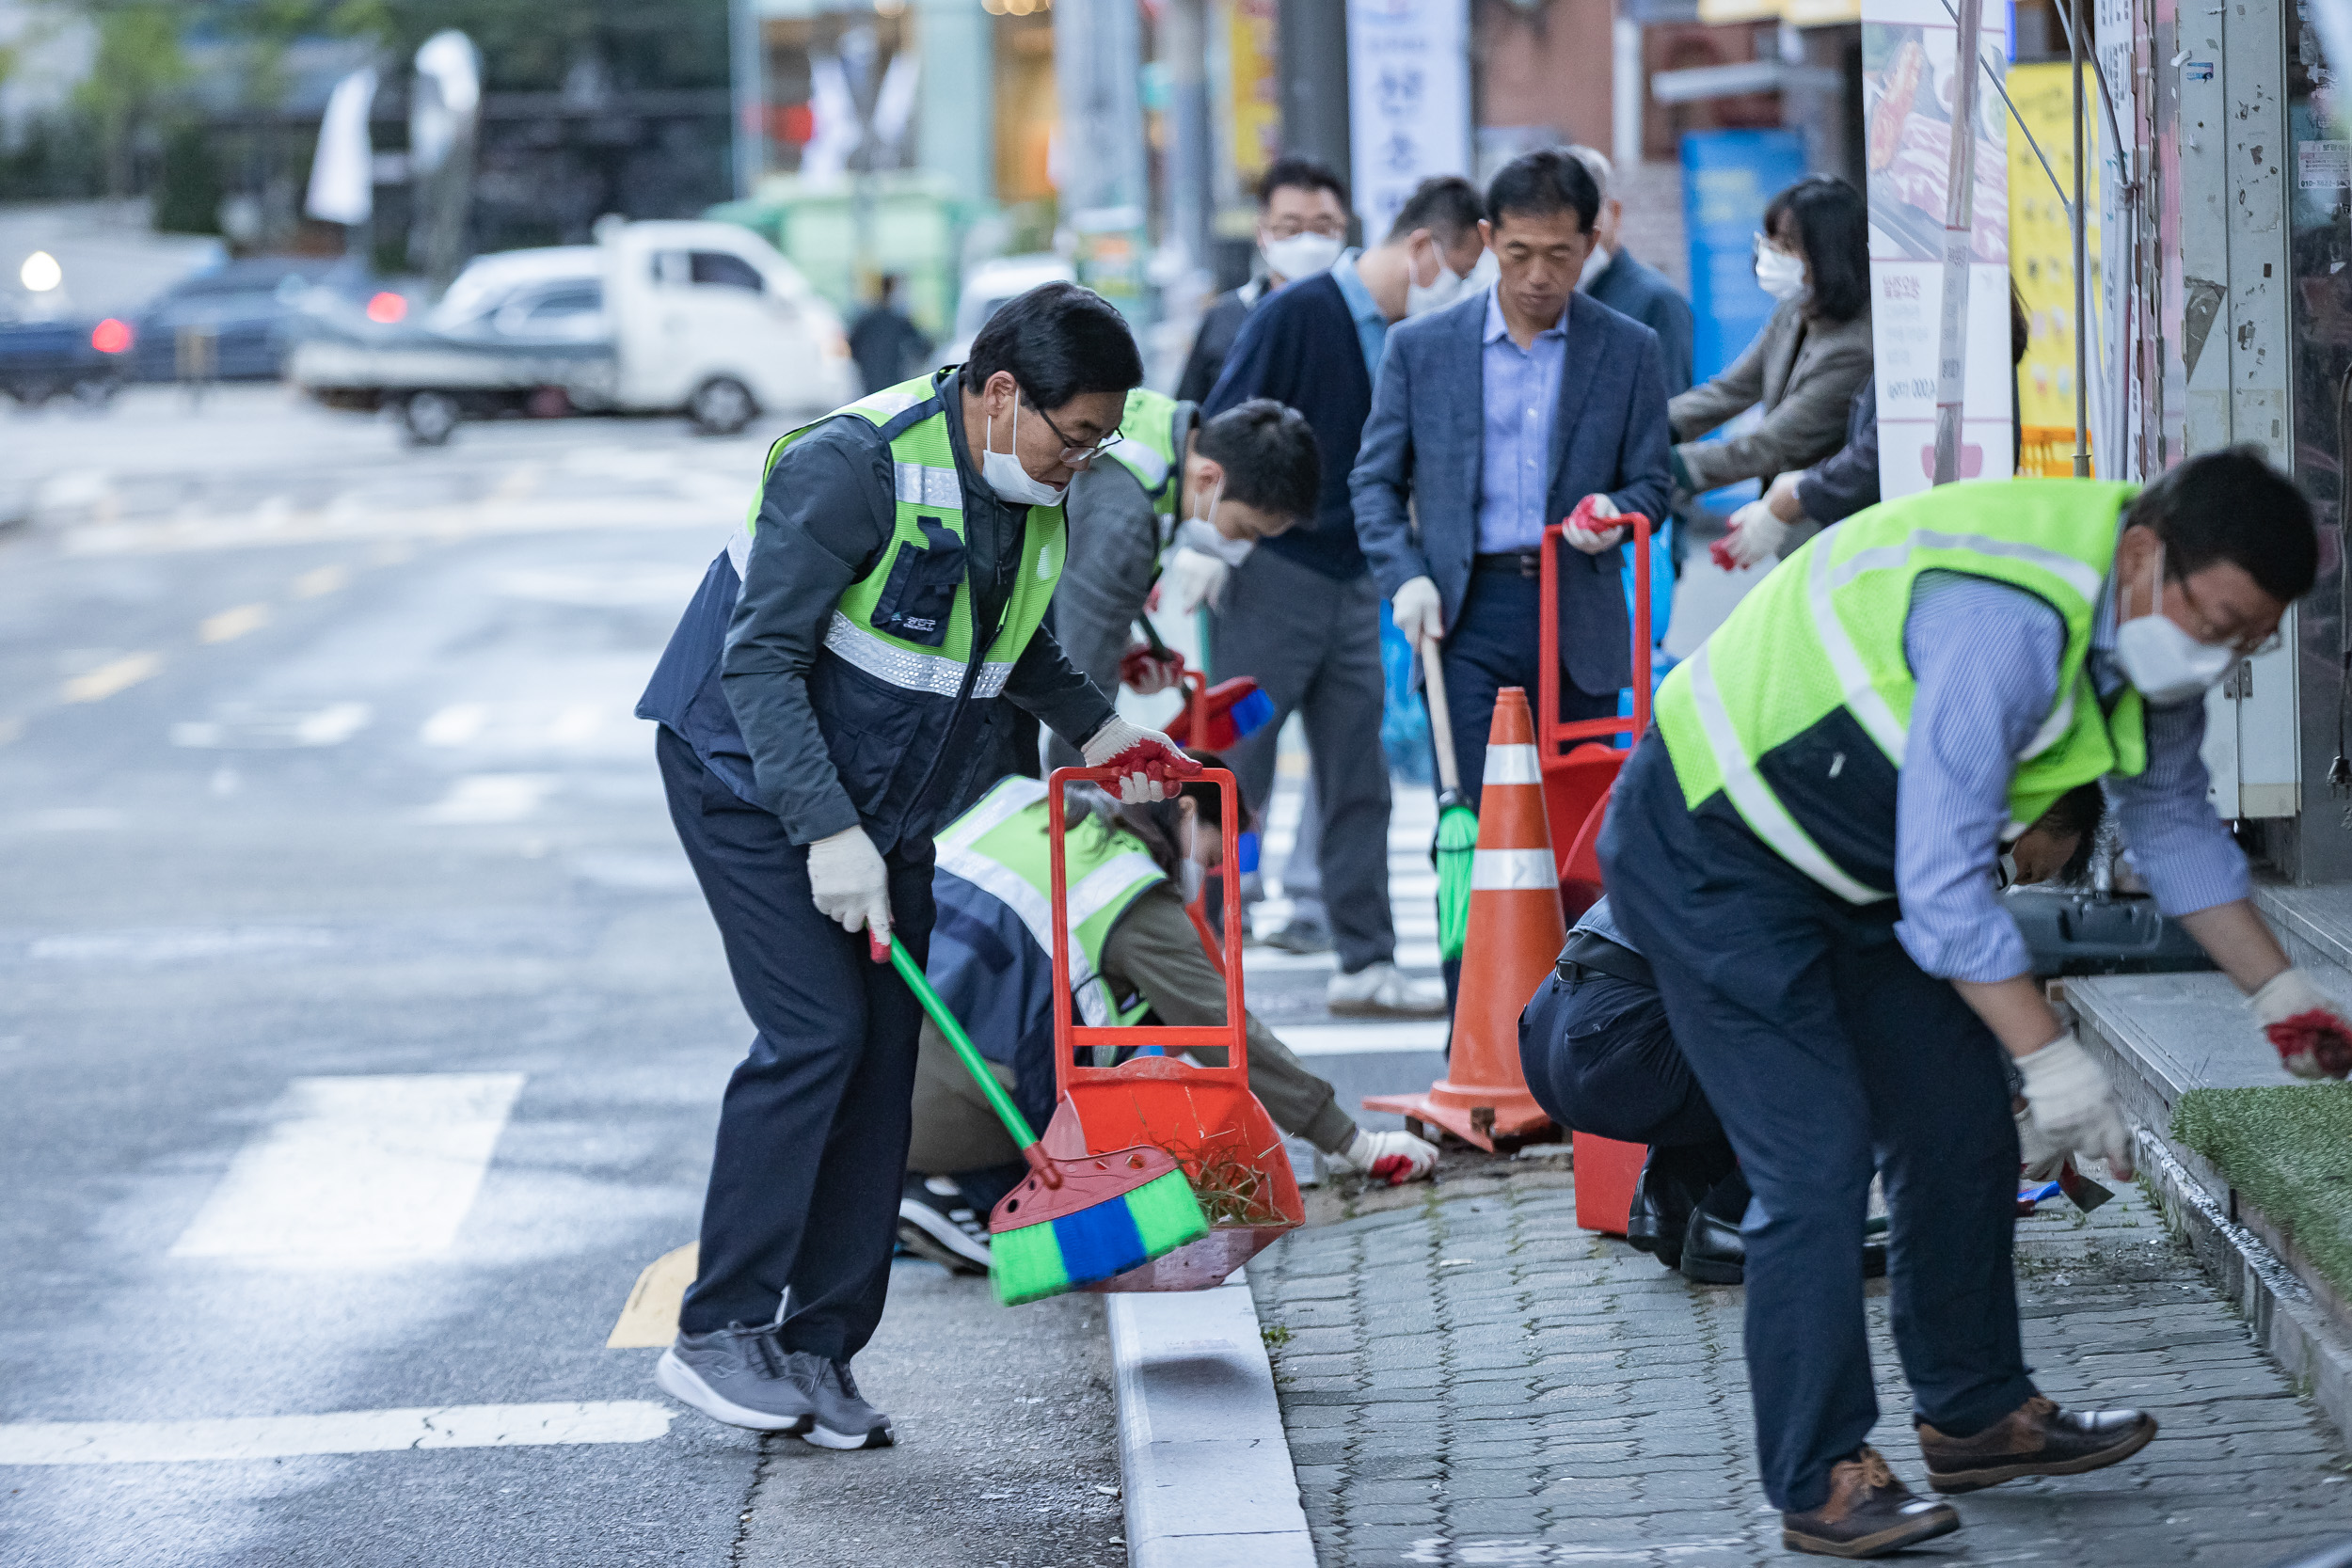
(1206,1466)
(2285,1319)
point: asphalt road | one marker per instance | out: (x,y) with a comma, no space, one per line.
(362,1032)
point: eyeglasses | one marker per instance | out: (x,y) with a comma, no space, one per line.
(1072,454)
(2203,631)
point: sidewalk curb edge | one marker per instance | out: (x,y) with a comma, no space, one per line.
(1204,1462)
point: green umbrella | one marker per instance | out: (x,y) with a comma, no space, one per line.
(1457,824)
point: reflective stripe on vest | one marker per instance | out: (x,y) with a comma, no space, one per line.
(1824,631)
(1108,874)
(927,490)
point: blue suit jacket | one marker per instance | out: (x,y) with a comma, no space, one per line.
(1425,443)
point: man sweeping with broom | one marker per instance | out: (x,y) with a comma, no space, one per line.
(820,704)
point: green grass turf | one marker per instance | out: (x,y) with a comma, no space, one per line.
(2288,1149)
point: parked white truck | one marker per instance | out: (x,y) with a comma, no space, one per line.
(703,319)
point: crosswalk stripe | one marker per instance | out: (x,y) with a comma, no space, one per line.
(111,677)
(1348,1040)
(356,1169)
(451,1426)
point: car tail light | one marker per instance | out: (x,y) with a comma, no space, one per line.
(386,307)
(111,337)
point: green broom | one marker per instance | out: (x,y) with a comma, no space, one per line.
(1073,1223)
(1456,845)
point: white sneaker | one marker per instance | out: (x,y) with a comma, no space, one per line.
(1378,990)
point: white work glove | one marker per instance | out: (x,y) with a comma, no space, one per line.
(1755,534)
(1419,613)
(1394,1157)
(1136,788)
(2039,1159)
(2305,1024)
(848,882)
(1190,578)
(2073,1105)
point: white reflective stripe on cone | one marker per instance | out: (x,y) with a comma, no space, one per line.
(1513,871)
(1512,765)
(1761,809)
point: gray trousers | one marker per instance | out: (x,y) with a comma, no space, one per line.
(1313,645)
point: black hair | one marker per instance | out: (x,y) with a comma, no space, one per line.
(1299,173)
(1445,204)
(1059,341)
(1158,825)
(1833,227)
(1268,453)
(2077,815)
(2232,505)
(1538,184)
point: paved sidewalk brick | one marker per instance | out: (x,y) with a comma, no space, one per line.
(1574,1403)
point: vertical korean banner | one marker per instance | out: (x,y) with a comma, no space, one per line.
(1910,65)
(1408,98)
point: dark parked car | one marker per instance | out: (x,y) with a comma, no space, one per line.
(42,359)
(237,322)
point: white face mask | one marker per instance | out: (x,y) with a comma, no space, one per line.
(1779,273)
(2005,872)
(1201,533)
(2164,662)
(1302,255)
(1482,276)
(1420,300)
(1004,472)
(1595,264)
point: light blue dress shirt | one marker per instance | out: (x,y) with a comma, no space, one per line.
(1372,327)
(1521,387)
(1986,656)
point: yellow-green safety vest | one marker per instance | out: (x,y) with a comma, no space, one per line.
(1000,847)
(1797,708)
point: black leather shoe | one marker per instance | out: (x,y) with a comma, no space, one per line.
(1868,1513)
(1713,1252)
(1661,1208)
(2035,1439)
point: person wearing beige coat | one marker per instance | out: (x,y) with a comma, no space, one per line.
(1803,367)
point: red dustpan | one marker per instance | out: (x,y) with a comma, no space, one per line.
(1579,760)
(1205,1117)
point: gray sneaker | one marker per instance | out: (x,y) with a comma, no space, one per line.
(743,1377)
(844,1420)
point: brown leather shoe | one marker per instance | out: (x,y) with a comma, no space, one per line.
(2035,1439)
(1868,1513)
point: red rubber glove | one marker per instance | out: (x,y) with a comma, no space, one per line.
(1145,673)
(2305,1025)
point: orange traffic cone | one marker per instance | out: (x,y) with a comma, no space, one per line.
(1516,931)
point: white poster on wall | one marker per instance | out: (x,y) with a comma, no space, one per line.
(1408,101)
(1909,64)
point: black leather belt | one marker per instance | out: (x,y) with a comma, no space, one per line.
(1592,951)
(1517,564)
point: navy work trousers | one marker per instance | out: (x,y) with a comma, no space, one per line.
(1494,643)
(813,1132)
(1823,1046)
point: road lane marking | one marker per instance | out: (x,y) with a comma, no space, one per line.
(491,798)
(1348,1040)
(326,580)
(649,1320)
(111,677)
(167,945)
(356,1169)
(576,725)
(230,625)
(454,725)
(449,1426)
(245,729)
